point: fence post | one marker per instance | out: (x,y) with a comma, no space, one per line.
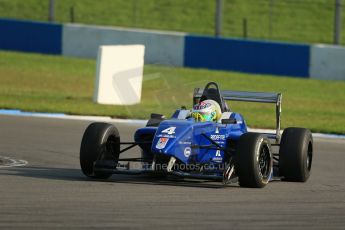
(51,15)
(245,28)
(71,14)
(270,19)
(219,17)
(337,22)
(135,12)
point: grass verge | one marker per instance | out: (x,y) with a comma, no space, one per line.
(43,83)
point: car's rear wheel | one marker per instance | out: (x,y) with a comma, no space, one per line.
(254,160)
(296,154)
(101,142)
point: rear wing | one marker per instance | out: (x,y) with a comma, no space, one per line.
(261,97)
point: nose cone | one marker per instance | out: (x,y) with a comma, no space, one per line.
(174,138)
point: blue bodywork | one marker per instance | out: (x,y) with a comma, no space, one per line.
(183,147)
(186,139)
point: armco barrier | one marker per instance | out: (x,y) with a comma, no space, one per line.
(30,36)
(247,56)
(327,62)
(161,47)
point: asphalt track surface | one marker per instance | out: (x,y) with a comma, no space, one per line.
(51,192)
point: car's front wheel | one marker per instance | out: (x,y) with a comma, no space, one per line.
(101,142)
(254,160)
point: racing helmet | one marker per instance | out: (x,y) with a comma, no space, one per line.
(207,110)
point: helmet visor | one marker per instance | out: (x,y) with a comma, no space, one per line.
(199,116)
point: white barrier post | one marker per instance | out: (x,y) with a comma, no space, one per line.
(119,74)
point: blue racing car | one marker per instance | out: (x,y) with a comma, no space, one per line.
(208,142)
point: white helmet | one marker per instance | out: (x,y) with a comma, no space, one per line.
(207,110)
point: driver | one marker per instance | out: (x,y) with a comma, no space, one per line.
(207,110)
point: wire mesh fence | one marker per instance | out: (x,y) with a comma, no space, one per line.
(307,21)
(289,20)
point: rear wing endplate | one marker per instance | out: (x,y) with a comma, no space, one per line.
(261,97)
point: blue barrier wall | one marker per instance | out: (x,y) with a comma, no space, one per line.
(247,56)
(177,49)
(30,36)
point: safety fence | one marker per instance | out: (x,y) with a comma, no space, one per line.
(306,21)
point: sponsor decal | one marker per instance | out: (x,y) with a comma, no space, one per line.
(217,159)
(217,137)
(185,142)
(166,136)
(162,142)
(187,151)
(202,105)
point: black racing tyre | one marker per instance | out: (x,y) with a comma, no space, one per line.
(254,160)
(146,153)
(296,154)
(101,141)
(153,122)
(161,163)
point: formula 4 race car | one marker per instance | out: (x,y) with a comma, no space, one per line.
(222,151)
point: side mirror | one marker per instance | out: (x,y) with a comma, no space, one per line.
(229,121)
(157,116)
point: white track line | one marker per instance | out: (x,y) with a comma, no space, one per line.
(9,162)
